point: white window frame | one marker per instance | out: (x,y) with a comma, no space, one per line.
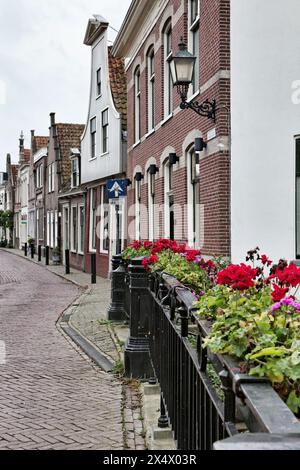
(168,86)
(151,89)
(193,36)
(137,105)
(48,228)
(168,193)
(193,216)
(93,135)
(74,230)
(73,160)
(104,220)
(137,210)
(91,223)
(151,203)
(56,229)
(98,83)
(81,238)
(105,151)
(51,226)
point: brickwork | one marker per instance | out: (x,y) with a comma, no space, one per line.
(214,83)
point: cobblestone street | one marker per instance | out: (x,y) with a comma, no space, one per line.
(51,395)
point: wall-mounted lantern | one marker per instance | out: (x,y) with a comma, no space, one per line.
(173,159)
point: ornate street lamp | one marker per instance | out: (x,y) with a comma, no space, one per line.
(182,67)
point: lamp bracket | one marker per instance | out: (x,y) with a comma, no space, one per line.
(206,108)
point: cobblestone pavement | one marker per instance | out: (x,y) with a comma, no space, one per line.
(51,396)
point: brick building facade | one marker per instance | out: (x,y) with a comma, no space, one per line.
(197,196)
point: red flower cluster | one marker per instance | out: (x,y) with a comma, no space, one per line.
(237,276)
(136,245)
(148,261)
(289,276)
(191,255)
(279,293)
(265,260)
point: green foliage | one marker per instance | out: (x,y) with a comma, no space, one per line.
(6,219)
(267,343)
(188,273)
(130,253)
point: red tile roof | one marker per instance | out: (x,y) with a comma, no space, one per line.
(27,155)
(39,142)
(118,84)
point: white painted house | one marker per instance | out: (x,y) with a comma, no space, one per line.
(103,147)
(265,74)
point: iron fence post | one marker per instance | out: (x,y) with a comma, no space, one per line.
(32,250)
(116,310)
(25,249)
(39,253)
(93,269)
(67,261)
(47,256)
(137,351)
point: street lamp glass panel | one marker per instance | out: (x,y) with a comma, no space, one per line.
(182,69)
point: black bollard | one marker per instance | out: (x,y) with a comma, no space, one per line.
(47,255)
(32,250)
(67,261)
(93,268)
(25,249)
(39,253)
(116,310)
(137,351)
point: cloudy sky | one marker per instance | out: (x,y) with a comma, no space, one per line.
(44,66)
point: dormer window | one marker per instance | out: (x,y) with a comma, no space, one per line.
(98,82)
(75,172)
(93,137)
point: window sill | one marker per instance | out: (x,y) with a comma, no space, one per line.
(92,159)
(92,250)
(166,119)
(98,97)
(193,96)
(136,144)
(103,252)
(80,253)
(149,133)
(103,154)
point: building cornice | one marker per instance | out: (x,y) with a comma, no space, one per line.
(137,17)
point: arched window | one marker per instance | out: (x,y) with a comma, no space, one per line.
(150,89)
(168,201)
(194,40)
(168,84)
(193,198)
(137,187)
(137,104)
(151,204)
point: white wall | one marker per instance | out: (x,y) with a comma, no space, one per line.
(265,62)
(109,164)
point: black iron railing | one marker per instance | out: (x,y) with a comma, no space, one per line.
(204,397)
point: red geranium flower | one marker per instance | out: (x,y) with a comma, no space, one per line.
(136,245)
(279,293)
(148,261)
(265,260)
(289,276)
(238,277)
(147,245)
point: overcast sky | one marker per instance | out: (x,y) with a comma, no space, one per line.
(44,66)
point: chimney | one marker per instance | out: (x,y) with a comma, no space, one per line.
(52,119)
(32,147)
(8,164)
(21,148)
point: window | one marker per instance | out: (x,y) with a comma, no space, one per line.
(104,221)
(48,229)
(137,104)
(150,89)
(74,229)
(168,84)
(81,229)
(66,229)
(98,82)
(169,201)
(193,173)
(40,176)
(93,137)
(51,177)
(298,198)
(93,215)
(151,202)
(137,210)
(105,131)
(51,230)
(75,172)
(56,229)
(194,40)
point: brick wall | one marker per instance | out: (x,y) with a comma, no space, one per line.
(215,161)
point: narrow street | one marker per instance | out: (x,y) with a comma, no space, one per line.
(51,396)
